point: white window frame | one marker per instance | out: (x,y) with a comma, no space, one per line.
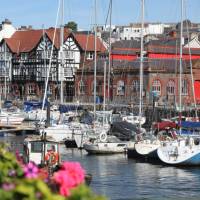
(156,87)
(185,86)
(120,88)
(171,87)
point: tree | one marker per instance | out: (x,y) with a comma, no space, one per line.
(72,25)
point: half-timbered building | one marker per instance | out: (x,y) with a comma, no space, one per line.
(34,56)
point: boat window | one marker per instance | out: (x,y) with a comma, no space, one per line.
(121,145)
(36,147)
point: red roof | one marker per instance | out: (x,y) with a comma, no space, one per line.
(27,40)
(50,33)
(24,41)
(86,42)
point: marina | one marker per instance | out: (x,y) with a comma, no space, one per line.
(120,178)
(111,112)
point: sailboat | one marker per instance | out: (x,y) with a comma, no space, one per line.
(103,143)
(131,151)
(186,150)
(62,131)
(7,117)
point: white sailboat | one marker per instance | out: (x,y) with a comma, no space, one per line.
(110,144)
(131,151)
(105,144)
(7,117)
(185,150)
(63,131)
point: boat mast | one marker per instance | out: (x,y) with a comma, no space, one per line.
(109,61)
(5,70)
(61,52)
(95,56)
(141,64)
(180,68)
(104,93)
(191,73)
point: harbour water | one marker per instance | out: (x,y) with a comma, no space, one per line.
(120,178)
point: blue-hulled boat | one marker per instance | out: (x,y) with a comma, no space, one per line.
(185,151)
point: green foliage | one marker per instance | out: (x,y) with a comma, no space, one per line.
(72,25)
(8,164)
(82,192)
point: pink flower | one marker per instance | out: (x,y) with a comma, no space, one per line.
(8,186)
(31,170)
(69,176)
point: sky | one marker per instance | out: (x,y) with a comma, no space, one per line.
(43,12)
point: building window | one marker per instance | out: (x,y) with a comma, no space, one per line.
(156,87)
(24,56)
(120,88)
(90,56)
(184,88)
(31,89)
(136,85)
(2,89)
(49,89)
(81,87)
(171,88)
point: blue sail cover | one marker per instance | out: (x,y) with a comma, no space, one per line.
(187,124)
(31,105)
(67,108)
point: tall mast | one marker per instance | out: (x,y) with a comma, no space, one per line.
(95,56)
(109,61)
(180,67)
(104,92)
(141,63)
(61,51)
(5,71)
(44,51)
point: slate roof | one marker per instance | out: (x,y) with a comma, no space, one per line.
(126,44)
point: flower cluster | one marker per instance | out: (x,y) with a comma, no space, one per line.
(31,170)
(69,176)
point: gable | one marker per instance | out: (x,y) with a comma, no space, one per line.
(194,43)
(44,44)
(70,45)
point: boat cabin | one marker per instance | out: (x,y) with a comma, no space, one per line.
(41,151)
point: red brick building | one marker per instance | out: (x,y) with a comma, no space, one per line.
(161,72)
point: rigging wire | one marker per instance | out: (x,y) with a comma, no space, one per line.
(191,65)
(50,61)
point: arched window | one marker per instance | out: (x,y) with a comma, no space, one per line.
(136,85)
(156,87)
(120,88)
(184,88)
(171,87)
(81,87)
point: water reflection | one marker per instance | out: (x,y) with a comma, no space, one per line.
(120,178)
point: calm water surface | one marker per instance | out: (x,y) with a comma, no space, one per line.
(120,178)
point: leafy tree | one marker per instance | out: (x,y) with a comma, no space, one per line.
(72,25)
